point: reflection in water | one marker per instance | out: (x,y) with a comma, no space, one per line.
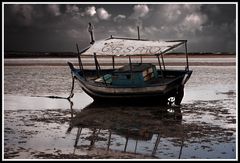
(144,125)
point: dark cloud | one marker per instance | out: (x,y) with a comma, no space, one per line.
(221,13)
(57,27)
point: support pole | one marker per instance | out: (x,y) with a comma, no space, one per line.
(78,136)
(113,62)
(182,144)
(79,59)
(187,68)
(96,64)
(98,69)
(80,62)
(71,93)
(160,66)
(156,145)
(71,108)
(130,62)
(180,153)
(109,139)
(163,62)
(126,144)
(135,150)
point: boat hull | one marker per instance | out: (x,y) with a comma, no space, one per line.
(152,94)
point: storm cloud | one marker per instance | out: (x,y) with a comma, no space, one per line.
(58,27)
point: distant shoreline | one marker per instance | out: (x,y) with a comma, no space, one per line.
(72,55)
(88,61)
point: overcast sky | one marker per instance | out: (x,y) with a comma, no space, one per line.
(58,27)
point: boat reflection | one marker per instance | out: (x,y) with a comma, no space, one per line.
(140,125)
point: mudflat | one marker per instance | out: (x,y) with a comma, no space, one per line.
(39,123)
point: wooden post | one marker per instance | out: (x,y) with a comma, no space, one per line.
(187,68)
(180,153)
(98,69)
(80,62)
(96,64)
(135,150)
(109,139)
(78,136)
(130,62)
(79,59)
(71,93)
(156,145)
(113,61)
(160,66)
(126,144)
(163,62)
(71,108)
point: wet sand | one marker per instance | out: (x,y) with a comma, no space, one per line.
(206,131)
(38,127)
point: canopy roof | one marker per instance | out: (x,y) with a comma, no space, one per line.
(122,46)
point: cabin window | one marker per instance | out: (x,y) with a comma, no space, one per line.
(128,76)
(105,79)
(137,75)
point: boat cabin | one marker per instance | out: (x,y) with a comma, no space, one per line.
(135,74)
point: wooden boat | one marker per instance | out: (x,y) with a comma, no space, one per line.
(132,82)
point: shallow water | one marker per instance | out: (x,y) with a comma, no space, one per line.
(109,60)
(36,126)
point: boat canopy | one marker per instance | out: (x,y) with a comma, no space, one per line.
(127,47)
